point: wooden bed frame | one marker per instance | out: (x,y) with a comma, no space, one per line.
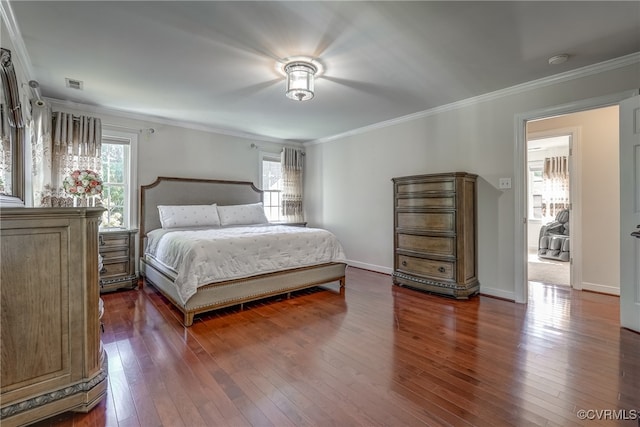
(191,191)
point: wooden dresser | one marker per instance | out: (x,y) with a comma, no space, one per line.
(52,355)
(435,247)
(117,248)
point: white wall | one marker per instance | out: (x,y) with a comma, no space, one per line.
(348,180)
(599,193)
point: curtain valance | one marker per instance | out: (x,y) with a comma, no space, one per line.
(556,167)
(77,135)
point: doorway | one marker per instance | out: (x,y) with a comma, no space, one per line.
(549,164)
(595,214)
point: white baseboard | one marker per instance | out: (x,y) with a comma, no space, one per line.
(604,289)
(498,293)
(372,267)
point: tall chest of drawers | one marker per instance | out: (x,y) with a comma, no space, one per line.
(435,245)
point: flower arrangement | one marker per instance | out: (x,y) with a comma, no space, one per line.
(83,183)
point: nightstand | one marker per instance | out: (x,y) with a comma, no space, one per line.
(117,248)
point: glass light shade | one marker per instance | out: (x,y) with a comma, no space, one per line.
(300,80)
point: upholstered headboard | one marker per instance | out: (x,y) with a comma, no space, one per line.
(190,191)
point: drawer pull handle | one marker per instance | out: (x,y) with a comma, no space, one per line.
(101,239)
(404,263)
(442,269)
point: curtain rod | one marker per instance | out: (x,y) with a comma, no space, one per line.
(147,130)
(35,90)
(257,147)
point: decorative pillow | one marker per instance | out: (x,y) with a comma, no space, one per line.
(178,216)
(242,214)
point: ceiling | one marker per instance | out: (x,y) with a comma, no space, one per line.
(214,64)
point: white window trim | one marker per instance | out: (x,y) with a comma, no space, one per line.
(269,156)
(132,187)
(262,156)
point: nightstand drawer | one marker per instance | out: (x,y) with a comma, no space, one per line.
(108,240)
(115,269)
(427,267)
(111,253)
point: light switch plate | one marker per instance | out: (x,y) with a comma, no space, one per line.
(504,183)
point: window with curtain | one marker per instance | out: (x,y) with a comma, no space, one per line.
(555,182)
(74,143)
(292,163)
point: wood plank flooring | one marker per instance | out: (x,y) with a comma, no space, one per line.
(379,355)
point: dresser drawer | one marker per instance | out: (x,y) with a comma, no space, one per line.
(448,202)
(433,245)
(419,187)
(442,270)
(427,221)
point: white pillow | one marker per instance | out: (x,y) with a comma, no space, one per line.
(252,213)
(177,216)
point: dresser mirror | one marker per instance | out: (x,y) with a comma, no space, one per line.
(12,134)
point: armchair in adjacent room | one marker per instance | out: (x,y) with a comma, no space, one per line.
(554,238)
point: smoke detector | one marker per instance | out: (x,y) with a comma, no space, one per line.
(558,59)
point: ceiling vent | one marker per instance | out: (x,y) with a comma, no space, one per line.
(74,84)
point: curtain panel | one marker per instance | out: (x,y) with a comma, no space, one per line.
(5,152)
(555,179)
(292,161)
(62,143)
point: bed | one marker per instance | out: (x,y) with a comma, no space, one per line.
(245,278)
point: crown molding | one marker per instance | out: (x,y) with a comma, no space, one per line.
(588,70)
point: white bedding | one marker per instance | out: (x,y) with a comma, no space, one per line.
(203,256)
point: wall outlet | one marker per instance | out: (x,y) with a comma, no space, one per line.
(504,183)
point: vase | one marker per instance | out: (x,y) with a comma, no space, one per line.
(80,202)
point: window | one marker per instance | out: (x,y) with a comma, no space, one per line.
(536,189)
(271,176)
(118,150)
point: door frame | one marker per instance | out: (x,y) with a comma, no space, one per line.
(521,289)
(575,179)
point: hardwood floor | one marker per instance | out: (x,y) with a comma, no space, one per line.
(378,355)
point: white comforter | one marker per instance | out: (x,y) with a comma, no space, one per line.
(203,256)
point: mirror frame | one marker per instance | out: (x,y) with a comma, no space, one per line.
(11,98)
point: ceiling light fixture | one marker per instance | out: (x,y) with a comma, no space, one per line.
(558,59)
(300,80)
